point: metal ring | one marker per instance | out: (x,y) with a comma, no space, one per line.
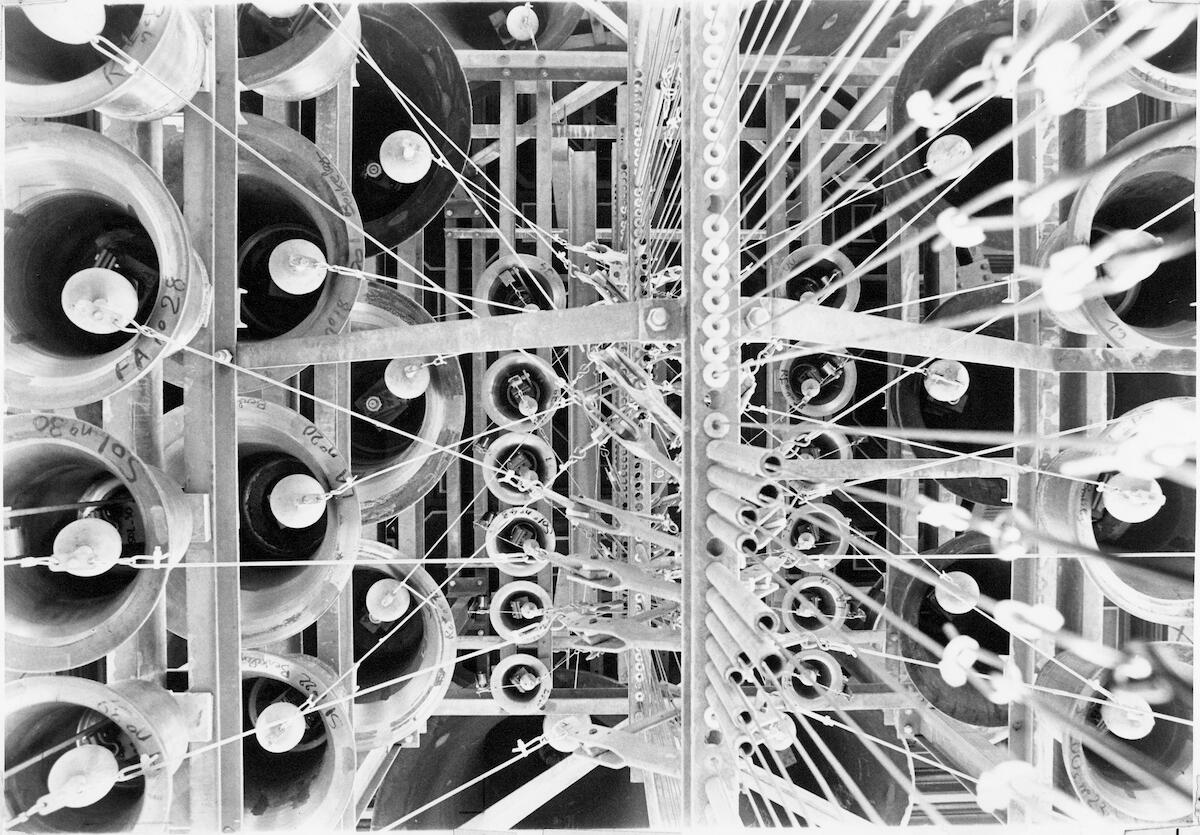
(712,105)
(716,326)
(715,351)
(716,276)
(715,252)
(714,226)
(715,301)
(715,179)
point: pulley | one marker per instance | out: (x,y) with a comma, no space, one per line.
(431,421)
(85,732)
(829,266)
(89,231)
(516,283)
(76,493)
(1131,514)
(275,444)
(516,465)
(432,115)
(286,51)
(273,211)
(514,537)
(297,719)
(51,68)
(932,607)
(415,662)
(818,385)
(510,25)
(814,604)
(519,390)
(521,683)
(1104,786)
(519,612)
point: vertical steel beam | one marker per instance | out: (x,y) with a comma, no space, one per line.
(508,160)
(711,408)
(331,383)
(134,414)
(1036,412)
(210,436)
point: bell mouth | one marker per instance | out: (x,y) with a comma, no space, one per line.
(33,58)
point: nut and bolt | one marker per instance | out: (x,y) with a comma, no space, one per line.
(657,318)
(374,403)
(374,169)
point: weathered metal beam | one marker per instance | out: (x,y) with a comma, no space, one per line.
(614,705)
(541,329)
(210,439)
(819,325)
(575,100)
(872,468)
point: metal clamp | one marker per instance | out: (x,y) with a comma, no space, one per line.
(594,634)
(612,575)
(610,747)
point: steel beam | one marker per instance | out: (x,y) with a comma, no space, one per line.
(541,329)
(210,436)
(711,407)
(914,468)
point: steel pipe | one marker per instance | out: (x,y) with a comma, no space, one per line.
(309,785)
(424,647)
(274,442)
(299,56)
(133,719)
(76,200)
(413,466)
(1071,510)
(55,620)
(47,78)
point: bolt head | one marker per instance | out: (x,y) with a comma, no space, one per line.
(657,318)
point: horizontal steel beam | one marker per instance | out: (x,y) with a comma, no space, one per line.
(544,65)
(820,325)
(484,705)
(590,65)
(542,329)
(829,469)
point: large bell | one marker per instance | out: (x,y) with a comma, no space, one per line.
(415,57)
(986,405)
(492,25)
(516,283)
(519,391)
(1138,516)
(956,44)
(77,201)
(274,444)
(1158,310)
(1105,786)
(278,218)
(918,603)
(297,56)
(62,619)
(412,466)
(118,725)
(423,648)
(45,77)
(298,770)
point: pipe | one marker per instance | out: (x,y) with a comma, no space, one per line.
(743,638)
(760,491)
(413,467)
(752,460)
(46,78)
(297,57)
(425,644)
(75,200)
(277,602)
(739,596)
(54,620)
